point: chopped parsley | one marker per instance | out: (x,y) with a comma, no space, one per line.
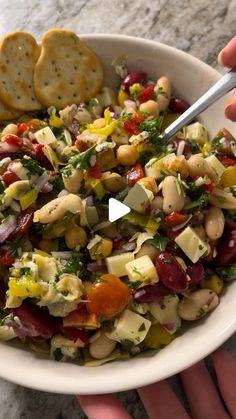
(136,271)
(100,279)
(67,218)
(153,127)
(66,171)
(25,271)
(227,274)
(199,203)
(142,328)
(74,265)
(159,242)
(14,245)
(168,260)
(135,285)
(82,160)
(32,165)
(58,185)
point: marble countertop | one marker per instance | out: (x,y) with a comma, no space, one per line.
(200,27)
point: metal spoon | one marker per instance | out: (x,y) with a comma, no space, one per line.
(219,89)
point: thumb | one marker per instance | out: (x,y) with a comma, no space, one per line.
(230,110)
(227,55)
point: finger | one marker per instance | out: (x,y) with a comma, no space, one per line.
(225,367)
(227,55)
(201,393)
(230,110)
(102,407)
(161,402)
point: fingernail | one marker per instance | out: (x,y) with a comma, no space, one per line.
(220,61)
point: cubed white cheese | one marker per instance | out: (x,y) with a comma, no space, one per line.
(130,326)
(45,136)
(138,198)
(154,167)
(142,269)
(166,313)
(116,264)
(191,244)
(196,131)
(216,165)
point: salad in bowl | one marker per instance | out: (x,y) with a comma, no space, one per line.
(77,286)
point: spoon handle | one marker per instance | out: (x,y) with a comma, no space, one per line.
(219,89)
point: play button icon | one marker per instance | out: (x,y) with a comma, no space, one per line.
(116,210)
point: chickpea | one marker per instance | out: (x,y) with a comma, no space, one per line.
(47,245)
(99,123)
(163,92)
(214,283)
(72,179)
(127,155)
(149,250)
(10,129)
(100,249)
(75,236)
(198,166)
(113,182)
(102,347)
(150,107)
(197,304)
(173,199)
(149,183)
(214,223)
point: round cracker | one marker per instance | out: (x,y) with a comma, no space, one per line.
(18,54)
(7,114)
(67,71)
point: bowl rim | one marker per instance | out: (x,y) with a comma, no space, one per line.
(144,378)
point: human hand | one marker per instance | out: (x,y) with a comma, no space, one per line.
(227,57)
(160,401)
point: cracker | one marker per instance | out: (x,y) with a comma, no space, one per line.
(7,113)
(67,71)
(18,54)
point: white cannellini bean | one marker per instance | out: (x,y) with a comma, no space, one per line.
(102,347)
(163,92)
(173,200)
(57,208)
(222,199)
(197,304)
(214,223)
(198,166)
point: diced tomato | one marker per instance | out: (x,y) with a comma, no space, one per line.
(146,94)
(95,171)
(134,174)
(39,319)
(14,140)
(227,161)
(81,318)
(175,218)
(9,177)
(38,149)
(24,223)
(81,145)
(208,187)
(132,126)
(74,334)
(2,295)
(108,296)
(6,259)
(26,126)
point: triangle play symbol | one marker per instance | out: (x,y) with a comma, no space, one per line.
(116,209)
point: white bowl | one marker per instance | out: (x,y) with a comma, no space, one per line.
(190,78)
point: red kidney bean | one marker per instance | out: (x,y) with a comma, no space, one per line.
(171,273)
(150,293)
(196,273)
(226,250)
(131,78)
(178,105)
(39,319)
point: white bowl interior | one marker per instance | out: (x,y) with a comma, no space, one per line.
(190,78)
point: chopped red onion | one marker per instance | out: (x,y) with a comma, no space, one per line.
(89,201)
(47,188)
(7,227)
(42,181)
(169,326)
(96,266)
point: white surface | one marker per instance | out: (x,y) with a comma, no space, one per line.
(190,78)
(116,210)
